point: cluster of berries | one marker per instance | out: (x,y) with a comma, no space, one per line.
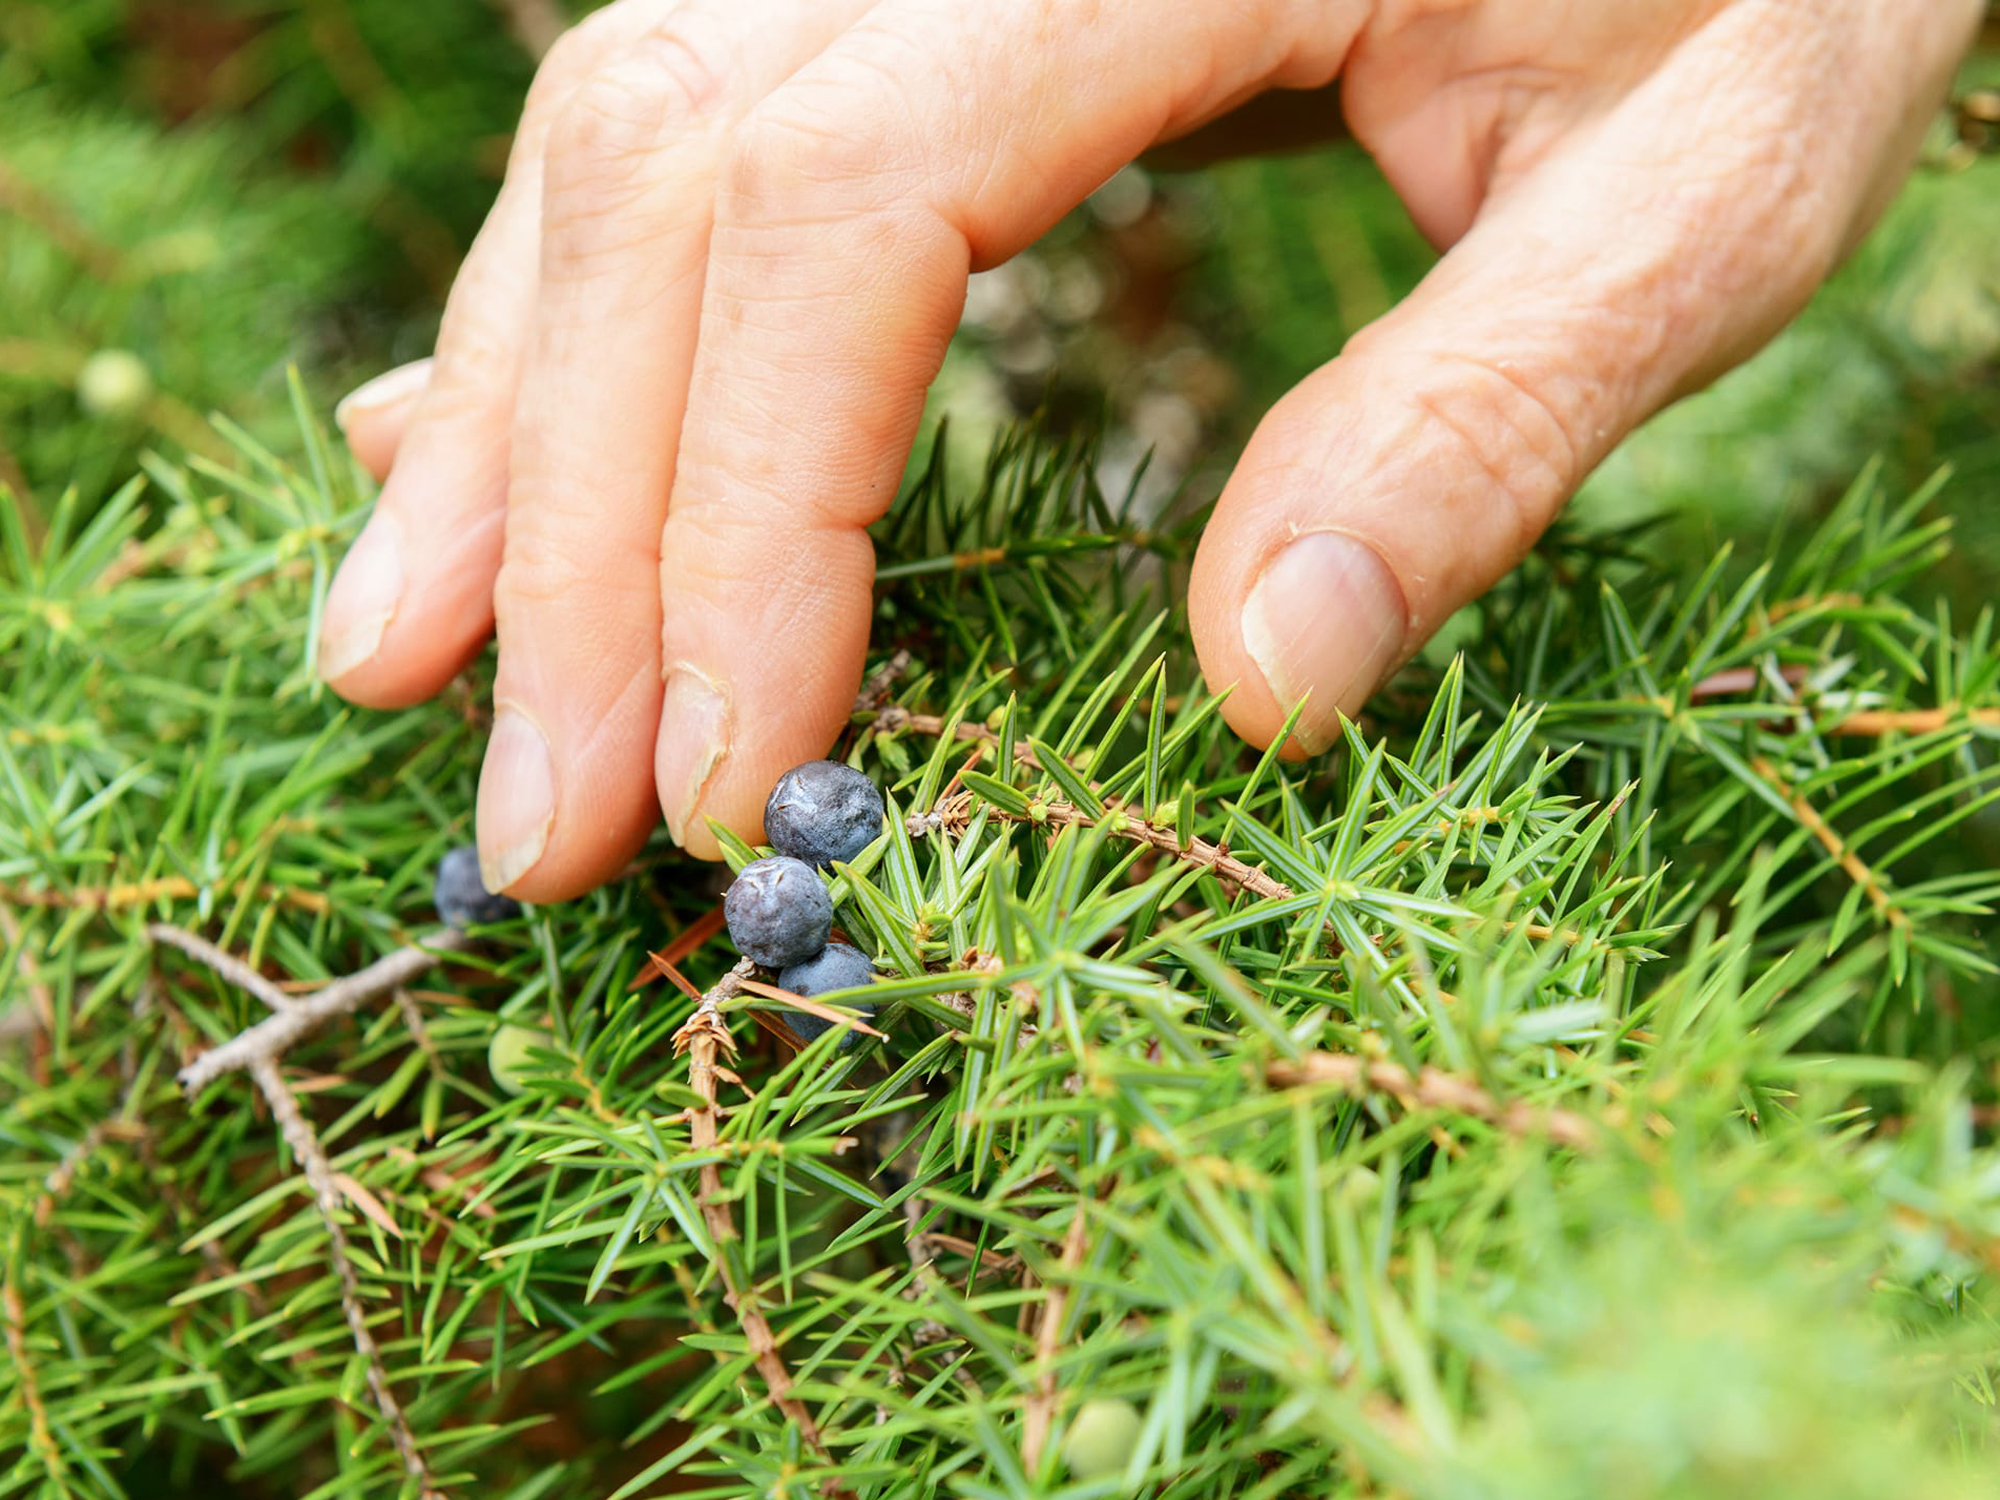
(778,909)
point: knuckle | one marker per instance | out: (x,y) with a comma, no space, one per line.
(831,141)
(598,145)
(556,557)
(474,349)
(606,139)
(767,156)
(535,579)
(573,57)
(1502,430)
(625,109)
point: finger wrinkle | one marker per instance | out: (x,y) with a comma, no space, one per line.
(627,716)
(535,577)
(591,274)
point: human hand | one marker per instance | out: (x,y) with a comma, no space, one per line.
(684,362)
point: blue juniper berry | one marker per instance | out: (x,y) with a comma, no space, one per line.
(837,967)
(778,912)
(823,811)
(462,900)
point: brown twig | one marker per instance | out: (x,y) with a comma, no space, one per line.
(953,810)
(41,1436)
(326,1193)
(413,1018)
(1430,1088)
(145,892)
(1855,868)
(269,1038)
(875,691)
(1215,858)
(1862,724)
(41,1015)
(1913,721)
(1041,1409)
(704,1040)
(889,720)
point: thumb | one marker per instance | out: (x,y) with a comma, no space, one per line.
(1638,260)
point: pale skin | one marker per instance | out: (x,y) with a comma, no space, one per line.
(685,360)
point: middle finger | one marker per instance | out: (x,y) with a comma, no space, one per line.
(566,794)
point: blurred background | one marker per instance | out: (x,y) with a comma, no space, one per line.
(197,194)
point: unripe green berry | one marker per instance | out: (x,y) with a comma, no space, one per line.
(1362,1185)
(1100,1440)
(114,383)
(507,1055)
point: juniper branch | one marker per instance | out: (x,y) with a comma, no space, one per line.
(14,1316)
(1431,1088)
(704,1039)
(1851,864)
(1041,1407)
(146,892)
(1233,871)
(875,691)
(323,1180)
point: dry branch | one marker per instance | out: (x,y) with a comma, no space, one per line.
(875,691)
(227,965)
(1914,720)
(257,1050)
(268,1039)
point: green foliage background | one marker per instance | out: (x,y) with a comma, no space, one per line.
(1635,855)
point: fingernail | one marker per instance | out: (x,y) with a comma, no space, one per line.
(384,390)
(362,601)
(694,723)
(517,800)
(1327,619)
